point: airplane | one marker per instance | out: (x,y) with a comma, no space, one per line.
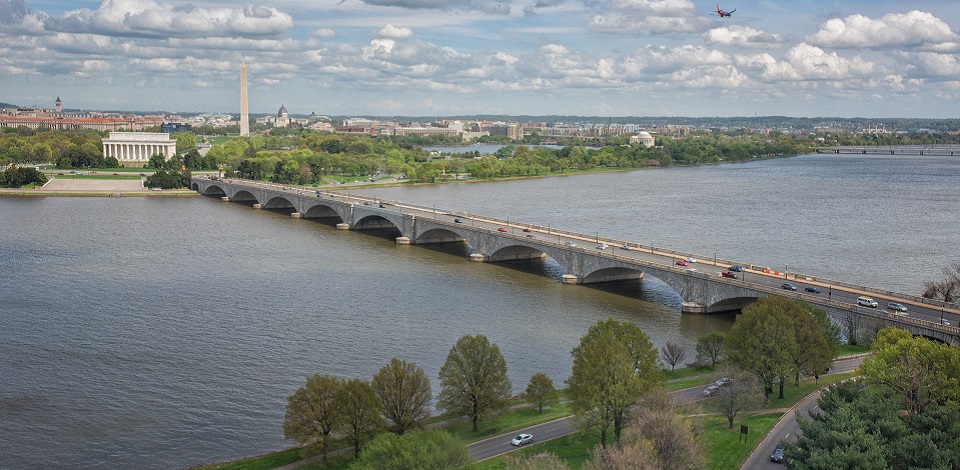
(724,14)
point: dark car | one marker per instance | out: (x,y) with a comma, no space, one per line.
(788,286)
(777,455)
(457,221)
(526,230)
(735,269)
(815,290)
(728,274)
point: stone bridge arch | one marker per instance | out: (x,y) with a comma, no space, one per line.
(279,203)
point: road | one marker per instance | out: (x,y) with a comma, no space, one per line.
(788,428)
(499,445)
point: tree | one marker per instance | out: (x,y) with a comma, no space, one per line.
(921,371)
(612,366)
(659,438)
(945,289)
(738,395)
(156,161)
(404,391)
(710,346)
(424,450)
(673,354)
(541,391)
(18,177)
(313,413)
(360,413)
(473,380)
(776,337)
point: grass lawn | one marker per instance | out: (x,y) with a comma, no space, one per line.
(685,372)
(725,447)
(850,349)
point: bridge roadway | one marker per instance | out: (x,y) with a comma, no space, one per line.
(587,259)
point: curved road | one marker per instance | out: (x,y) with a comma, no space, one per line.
(499,445)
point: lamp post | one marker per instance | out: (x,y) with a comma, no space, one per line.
(830,293)
(941,315)
(786,269)
(714,257)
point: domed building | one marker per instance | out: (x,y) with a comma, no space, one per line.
(283,119)
(643,137)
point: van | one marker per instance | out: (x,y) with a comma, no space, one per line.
(867,301)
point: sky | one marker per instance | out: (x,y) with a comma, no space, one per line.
(803,58)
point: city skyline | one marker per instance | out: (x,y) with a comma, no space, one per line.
(537,57)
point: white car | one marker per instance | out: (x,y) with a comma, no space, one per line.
(897,307)
(522,439)
(867,301)
(602,246)
(690,259)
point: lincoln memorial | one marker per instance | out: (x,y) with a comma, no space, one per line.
(138,147)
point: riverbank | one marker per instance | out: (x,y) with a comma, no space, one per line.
(95,188)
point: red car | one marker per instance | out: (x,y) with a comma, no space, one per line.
(728,274)
(526,230)
(681,262)
(501,229)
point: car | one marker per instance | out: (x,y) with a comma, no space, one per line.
(158,189)
(526,230)
(602,246)
(457,221)
(777,455)
(690,259)
(530,235)
(522,439)
(728,274)
(867,302)
(813,289)
(897,307)
(709,390)
(626,248)
(735,269)
(501,229)
(570,244)
(944,323)
(723,382)
(681,262)
(366,203)
(788,286)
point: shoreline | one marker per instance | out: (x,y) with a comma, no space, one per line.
(18,192)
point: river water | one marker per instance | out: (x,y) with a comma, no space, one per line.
(161,332)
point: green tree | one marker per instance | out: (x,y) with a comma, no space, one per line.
(19,177)
(540,391)
(776,337)
(360,413)
(473,380)
(613,365)
(922,372)
(710,346)
(424,450)
(313,414)
(404,391)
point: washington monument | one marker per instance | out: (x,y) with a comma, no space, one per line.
(244,112)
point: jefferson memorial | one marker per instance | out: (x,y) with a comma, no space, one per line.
(138,147)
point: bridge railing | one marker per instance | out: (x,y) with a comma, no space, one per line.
(879,292)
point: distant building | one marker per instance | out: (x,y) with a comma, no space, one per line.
(644,138)
(58,105)
(138,147)
(174,127)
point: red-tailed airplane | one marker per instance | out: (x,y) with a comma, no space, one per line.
(724,14)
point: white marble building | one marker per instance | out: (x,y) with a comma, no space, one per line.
(138,147)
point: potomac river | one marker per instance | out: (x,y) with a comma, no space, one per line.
(164,332)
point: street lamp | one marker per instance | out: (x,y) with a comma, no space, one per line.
(714,257)
(786,269)
(941,315)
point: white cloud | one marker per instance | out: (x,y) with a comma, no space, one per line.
(391,31)
(741,36)
(323,33)
(915,29)
(147,18)
(653,16)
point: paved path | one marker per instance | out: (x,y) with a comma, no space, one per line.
(68,184)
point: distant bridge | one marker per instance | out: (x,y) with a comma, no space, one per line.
(587,259)
(934,150)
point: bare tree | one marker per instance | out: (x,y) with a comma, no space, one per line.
(673,354)
(737,395)
(544,461)
(946,289)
